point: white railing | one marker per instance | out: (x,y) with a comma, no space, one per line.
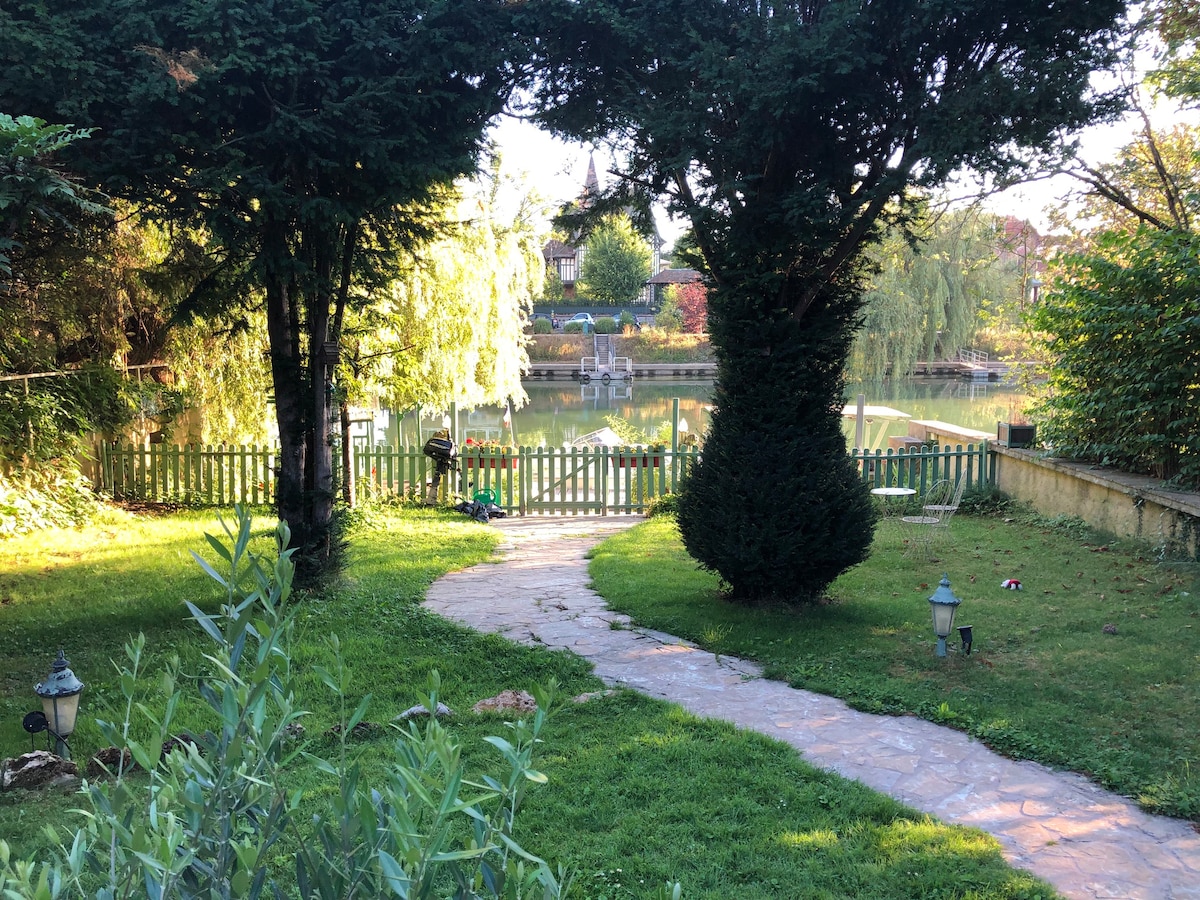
(974,357)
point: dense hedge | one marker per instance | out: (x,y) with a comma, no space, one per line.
(1122,327)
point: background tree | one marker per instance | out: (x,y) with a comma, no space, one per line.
(616,263)
(691,299)
(220,368)
(1119,328)
(931,281)
(1153,180)
(449,327)
(1177,25)
(552,288)
(783,133)
(669,317)
(1123,332)
(292,135)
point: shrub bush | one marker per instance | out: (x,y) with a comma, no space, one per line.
(606,325)
(573,328)
(626,320)
(45,497)
(543,326)
(666,505)
(1120,326)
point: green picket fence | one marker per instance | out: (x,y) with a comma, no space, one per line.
(532,480)
(525,481)
(219,475)
(920,468)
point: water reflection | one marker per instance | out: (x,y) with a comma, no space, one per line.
(558,412)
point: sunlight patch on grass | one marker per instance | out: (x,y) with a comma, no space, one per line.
(821,839)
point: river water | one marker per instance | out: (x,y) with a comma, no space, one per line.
(558,412)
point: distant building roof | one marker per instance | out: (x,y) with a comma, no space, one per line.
(555,249)
(675,276)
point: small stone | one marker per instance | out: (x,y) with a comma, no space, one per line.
(417,712)
(39,769)
(1110,628)
(516,701)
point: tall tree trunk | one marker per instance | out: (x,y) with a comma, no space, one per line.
(287,377)
(299,369)
(320,488)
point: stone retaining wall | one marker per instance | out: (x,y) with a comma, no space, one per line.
(1124,505)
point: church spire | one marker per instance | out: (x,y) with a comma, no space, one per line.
(591,184)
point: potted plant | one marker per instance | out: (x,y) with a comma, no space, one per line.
(488,455)
(1017,431)
(640,457)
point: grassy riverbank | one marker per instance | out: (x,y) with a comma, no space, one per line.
(638,792)
(647,346)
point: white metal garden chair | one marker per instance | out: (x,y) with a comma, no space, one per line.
(932,524)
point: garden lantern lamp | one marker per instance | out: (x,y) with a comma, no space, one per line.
(60,702)
(944,603)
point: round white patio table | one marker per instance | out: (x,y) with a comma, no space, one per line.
(889,494)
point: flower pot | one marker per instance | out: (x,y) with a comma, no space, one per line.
(644,461)
(491,462)
(1011,435)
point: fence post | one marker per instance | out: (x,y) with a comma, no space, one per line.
(674,443)
(524,479)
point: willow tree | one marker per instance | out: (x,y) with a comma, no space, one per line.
(448,326)
(784,132)
(292,133)
(930,282)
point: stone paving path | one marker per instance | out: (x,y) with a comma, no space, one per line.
(1088,843)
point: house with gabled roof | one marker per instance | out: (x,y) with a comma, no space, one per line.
(566,260)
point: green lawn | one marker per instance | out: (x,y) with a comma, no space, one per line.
(1045,680)
(638,792)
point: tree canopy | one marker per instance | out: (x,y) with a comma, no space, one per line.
(1119,324)
(782,132)
(293,134)
(616,263)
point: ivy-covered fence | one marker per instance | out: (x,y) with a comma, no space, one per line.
(524,481)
